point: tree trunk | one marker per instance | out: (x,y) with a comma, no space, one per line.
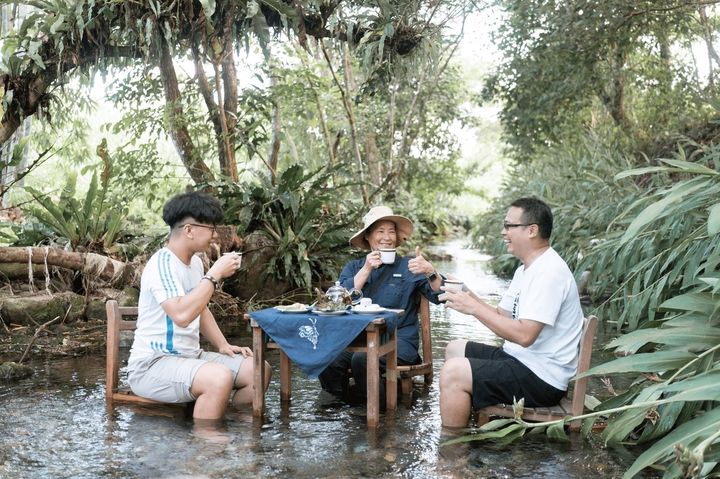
(30,100)
(372,157)
(276,132)
(230,105)
(89,264)
(708,37)
(350,87)
(198,170)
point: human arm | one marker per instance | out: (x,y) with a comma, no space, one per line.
(211,331)
(522,331)
(360,278)
(184,309)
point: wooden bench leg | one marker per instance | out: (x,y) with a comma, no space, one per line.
(406,386)
(285,382)
(391,376)
(373,379)
(259,372)
(482,419)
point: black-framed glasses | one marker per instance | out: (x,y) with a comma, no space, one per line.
(507,226)
(213,227)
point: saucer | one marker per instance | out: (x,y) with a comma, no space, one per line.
(369,310)
(330,313)
(293,308)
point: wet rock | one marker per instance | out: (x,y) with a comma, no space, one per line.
(35,309)
(251,281)
(12,371)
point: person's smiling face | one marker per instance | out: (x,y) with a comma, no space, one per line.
(202,234)
(515,231)
(382,235)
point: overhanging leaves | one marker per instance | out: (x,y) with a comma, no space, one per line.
(645,362)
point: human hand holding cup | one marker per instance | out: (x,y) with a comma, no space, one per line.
(450,286)
(453,286)
(235,255)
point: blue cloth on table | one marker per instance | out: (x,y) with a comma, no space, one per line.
(313,341)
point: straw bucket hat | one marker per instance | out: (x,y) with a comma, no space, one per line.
(403,226)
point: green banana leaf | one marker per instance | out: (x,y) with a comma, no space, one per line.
(700,302)
(645,362)
(694,337)
(698,428)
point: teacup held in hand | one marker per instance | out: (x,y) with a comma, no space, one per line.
(387,256)
(453,286)
(238,254)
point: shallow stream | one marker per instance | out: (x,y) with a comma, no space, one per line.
(56,425)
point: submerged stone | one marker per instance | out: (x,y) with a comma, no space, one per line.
(11,371)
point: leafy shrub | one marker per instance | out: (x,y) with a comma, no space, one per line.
(304,214)
(576,182)
(659,244)
(93,223)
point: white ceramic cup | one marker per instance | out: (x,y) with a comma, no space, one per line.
(454,286)
(365,303)
(239,255)
(387,256)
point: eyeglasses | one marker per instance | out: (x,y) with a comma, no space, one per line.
(213,227)
(507,226)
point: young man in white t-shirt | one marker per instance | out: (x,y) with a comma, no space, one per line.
(539,317)
(166,362)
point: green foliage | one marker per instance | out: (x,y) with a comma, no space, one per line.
(664,235)
(683,350)
(302,217)
(568,64)
(661,253)
(573,181)
(92,223)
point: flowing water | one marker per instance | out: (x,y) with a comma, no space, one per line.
(56,425)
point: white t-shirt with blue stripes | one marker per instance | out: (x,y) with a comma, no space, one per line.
(165,276)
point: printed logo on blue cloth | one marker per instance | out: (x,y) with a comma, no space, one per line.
(310,332)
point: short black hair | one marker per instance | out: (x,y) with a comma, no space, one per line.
(537,212)
(197,205)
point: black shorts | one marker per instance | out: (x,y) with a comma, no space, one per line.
(498,378)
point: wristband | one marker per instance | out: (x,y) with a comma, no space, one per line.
(212,280)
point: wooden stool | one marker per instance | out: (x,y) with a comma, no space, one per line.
(567,407)
(115,324)
(425,368)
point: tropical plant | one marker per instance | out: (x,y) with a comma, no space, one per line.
(664,251)
(658,246)
(58,39)
(304,215)
(93,223)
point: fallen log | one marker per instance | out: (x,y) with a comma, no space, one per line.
(89,264)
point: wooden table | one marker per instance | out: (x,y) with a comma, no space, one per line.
(375,340)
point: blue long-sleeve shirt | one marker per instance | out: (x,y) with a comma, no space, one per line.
(394,286)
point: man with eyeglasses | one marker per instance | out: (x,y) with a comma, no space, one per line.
(166,362)
(539,317)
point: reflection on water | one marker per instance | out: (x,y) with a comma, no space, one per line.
(55,425)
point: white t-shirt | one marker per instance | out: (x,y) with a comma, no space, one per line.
(165,276)
(546,292)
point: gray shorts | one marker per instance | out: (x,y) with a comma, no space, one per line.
(169,378)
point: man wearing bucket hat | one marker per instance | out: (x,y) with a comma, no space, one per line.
(392,282)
